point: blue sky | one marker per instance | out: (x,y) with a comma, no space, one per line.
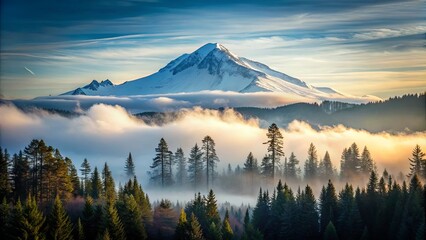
(49,47)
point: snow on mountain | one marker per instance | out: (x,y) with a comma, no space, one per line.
(214,67)
(92,87)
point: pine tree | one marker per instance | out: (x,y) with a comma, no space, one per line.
(88,219)
(20,176)
(250,165)
(372,201)
(181,174)
(194,229)
(247,222)
(32,224)
(330,232)
(108,185)
(372,184)
(355,158)
(326,169)
(281,202)
(60,226)
(198,207)
(114,224)
(73,175)
(227,233)
(414,214)
(182,228)
(261,211)
(251,168)
(85,171)
(350,162)
(212,213)
(308,215)
(17,221)
(165,219)
(328,205)
(250,233)
(311,164)
(5,216)
(161,165)
(96,185)
(195,166)
(132,219)
(59,181)
(214,232)
(5,187)
(129,168)
(275,146)
(344,166)
(142,200)
(292,170)
(417,163)
(229,172)
(237,170)
(266,167)
(100,222)
(79,231)
(348,221)
(37,152)
(106,235)
(210,158)
(367,163)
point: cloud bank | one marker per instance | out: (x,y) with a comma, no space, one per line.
(167,102)
(106,133)
(176,101)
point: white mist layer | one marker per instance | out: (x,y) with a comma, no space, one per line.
(108,133)
(170,102)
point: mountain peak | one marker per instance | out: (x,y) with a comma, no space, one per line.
(93,85)
(106,82)
(206,48)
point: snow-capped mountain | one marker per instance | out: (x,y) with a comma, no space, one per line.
(214,67)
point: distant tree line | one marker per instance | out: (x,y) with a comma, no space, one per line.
(199,169)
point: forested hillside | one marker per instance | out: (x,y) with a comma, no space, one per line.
(398,114)
(406,113)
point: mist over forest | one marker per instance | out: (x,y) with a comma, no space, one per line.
(215,174)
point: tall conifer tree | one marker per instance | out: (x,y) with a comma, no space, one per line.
(129,168)
(60,226)
(210,158)
(161,166)
(275,145)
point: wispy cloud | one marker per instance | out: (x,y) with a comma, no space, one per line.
(29,70)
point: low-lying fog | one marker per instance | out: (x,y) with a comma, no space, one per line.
(108,133)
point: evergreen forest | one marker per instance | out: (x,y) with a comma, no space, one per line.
(45,196)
